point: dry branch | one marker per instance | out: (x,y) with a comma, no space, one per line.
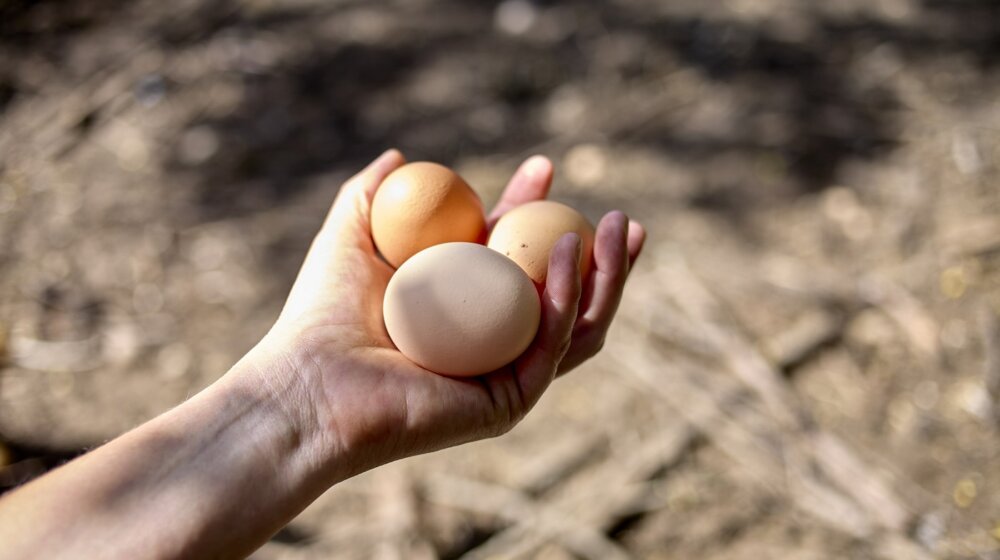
(56,355)
(588,506)
(513,506)
(722,411)
(974,237)
(396,507)
(770,433)
(990,327)
(813,330)
(907,312)
(557,462)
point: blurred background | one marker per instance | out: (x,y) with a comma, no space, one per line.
(807,360)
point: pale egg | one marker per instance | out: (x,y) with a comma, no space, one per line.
(461,309)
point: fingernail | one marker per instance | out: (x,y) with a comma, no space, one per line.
(636,225)
(536,165)
(579,246)
(391,153)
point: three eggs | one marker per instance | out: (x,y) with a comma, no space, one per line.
(455,306)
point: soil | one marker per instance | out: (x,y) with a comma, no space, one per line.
(827,172)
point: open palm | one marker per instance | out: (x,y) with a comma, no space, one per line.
(368,396)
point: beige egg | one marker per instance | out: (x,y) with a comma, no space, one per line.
(461,309)
(423,204)
(527,234)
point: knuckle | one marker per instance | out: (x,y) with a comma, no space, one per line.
(501,427)
(564,346)
(600,344)
(592,339)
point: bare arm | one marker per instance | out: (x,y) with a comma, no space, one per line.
(214,477)
(324,396)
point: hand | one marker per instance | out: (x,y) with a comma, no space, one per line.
(373,404)
(324,396)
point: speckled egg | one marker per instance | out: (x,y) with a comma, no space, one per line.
(527,234)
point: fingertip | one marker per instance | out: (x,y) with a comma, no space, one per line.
(386,163)
(537,165)
(563,280)
(636,235)
(636,239)
(610,245)
(530,182)
(615,219)
(392,154)
(379,168)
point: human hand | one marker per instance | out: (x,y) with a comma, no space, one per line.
(371,403)
(324,396)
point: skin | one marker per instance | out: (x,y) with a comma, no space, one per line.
(323,397)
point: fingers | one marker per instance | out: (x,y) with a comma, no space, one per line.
(530,182)
(617,245)
(636,239)
(371,177)
(606,283)
(560,302)
(354,200)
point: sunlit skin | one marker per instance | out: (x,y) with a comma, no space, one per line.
(345,325)
(322,397)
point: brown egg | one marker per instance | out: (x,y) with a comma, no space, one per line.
(527,234)
(461,309)
(423,204)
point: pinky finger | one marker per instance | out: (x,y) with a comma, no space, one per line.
(636,239)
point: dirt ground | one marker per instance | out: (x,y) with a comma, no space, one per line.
(807,360)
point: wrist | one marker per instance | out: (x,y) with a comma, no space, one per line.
(348,417)
(275,376)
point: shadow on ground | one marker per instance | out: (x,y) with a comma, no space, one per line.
(299,119)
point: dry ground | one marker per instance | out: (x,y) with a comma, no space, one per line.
(807,363)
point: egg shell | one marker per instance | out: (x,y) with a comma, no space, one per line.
(527,234)
(461,309)
(422,204)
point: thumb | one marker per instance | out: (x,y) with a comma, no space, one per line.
(351,209)
(346,227)
(560,303)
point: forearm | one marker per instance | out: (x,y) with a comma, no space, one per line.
(214,477)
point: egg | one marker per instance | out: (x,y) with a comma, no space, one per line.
(527,234)
(422,204)
(461,309)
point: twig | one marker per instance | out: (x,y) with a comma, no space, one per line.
(722,411)
(907,312)
(970,238)
(990,327)
(397,515)
(809,333)
(583,540)
(557,462)
(62,355)
(821,474)
(595,499)
(701,307)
